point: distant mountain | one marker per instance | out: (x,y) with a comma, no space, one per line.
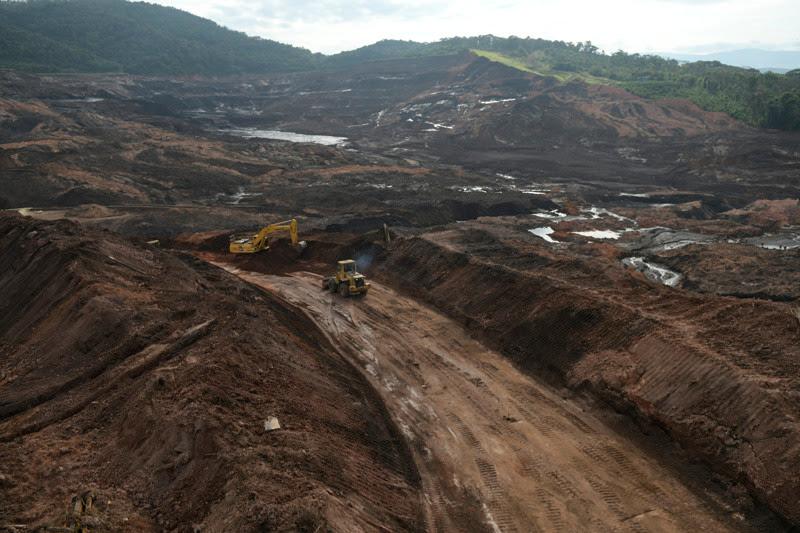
(386,49)
(396,49)
(141,38)
(766,60)
(132,37)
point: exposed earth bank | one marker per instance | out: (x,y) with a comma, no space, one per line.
(142,380)
(535,225)
(491,441)
(719,374)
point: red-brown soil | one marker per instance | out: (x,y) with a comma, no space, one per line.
(160,141)
(719,374)
(498,449)
(145,378)
(769,213)
(740,270)
(145,375)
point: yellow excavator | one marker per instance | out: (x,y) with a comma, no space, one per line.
(252,243)
(347,281)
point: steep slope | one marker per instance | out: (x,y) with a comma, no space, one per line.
(142,381)
(27,50)
(134,37)
(718,374)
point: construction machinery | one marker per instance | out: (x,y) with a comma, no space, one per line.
(347,281)
(252,243)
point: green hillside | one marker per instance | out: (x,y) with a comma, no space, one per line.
(761,99)
(141,38)
(132,37)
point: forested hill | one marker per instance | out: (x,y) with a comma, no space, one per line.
(760,99)
(141,38)
(132,37)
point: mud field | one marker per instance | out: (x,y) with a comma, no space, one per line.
(586,317)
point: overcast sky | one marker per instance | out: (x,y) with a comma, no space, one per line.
(695,26)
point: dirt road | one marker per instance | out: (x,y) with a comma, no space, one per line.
(493,445)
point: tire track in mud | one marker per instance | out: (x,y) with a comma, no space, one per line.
(388,443)
(464,383)
(500,513)
(553,513)
(536,461)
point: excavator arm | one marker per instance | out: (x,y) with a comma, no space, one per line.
(260,241)
(288,225)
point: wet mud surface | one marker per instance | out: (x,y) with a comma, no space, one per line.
(586,318)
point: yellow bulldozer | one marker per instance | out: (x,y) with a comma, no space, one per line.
(252,243)
(347,281)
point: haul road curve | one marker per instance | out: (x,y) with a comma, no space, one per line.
(496,449)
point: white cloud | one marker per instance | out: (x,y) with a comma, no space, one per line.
(634,25)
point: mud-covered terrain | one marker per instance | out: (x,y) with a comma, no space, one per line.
(535,456)
(714,372)
(586,318)
(143,380)
(169,140)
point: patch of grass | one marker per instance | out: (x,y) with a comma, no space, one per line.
(541,69)
(565,77)
(505,60)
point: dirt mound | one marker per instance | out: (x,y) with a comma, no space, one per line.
(741,270)
(770,214)
(141,380)
(719,374)
(491,105)
(205,241)
(598,112)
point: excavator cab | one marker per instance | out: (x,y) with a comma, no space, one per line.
(348,281)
